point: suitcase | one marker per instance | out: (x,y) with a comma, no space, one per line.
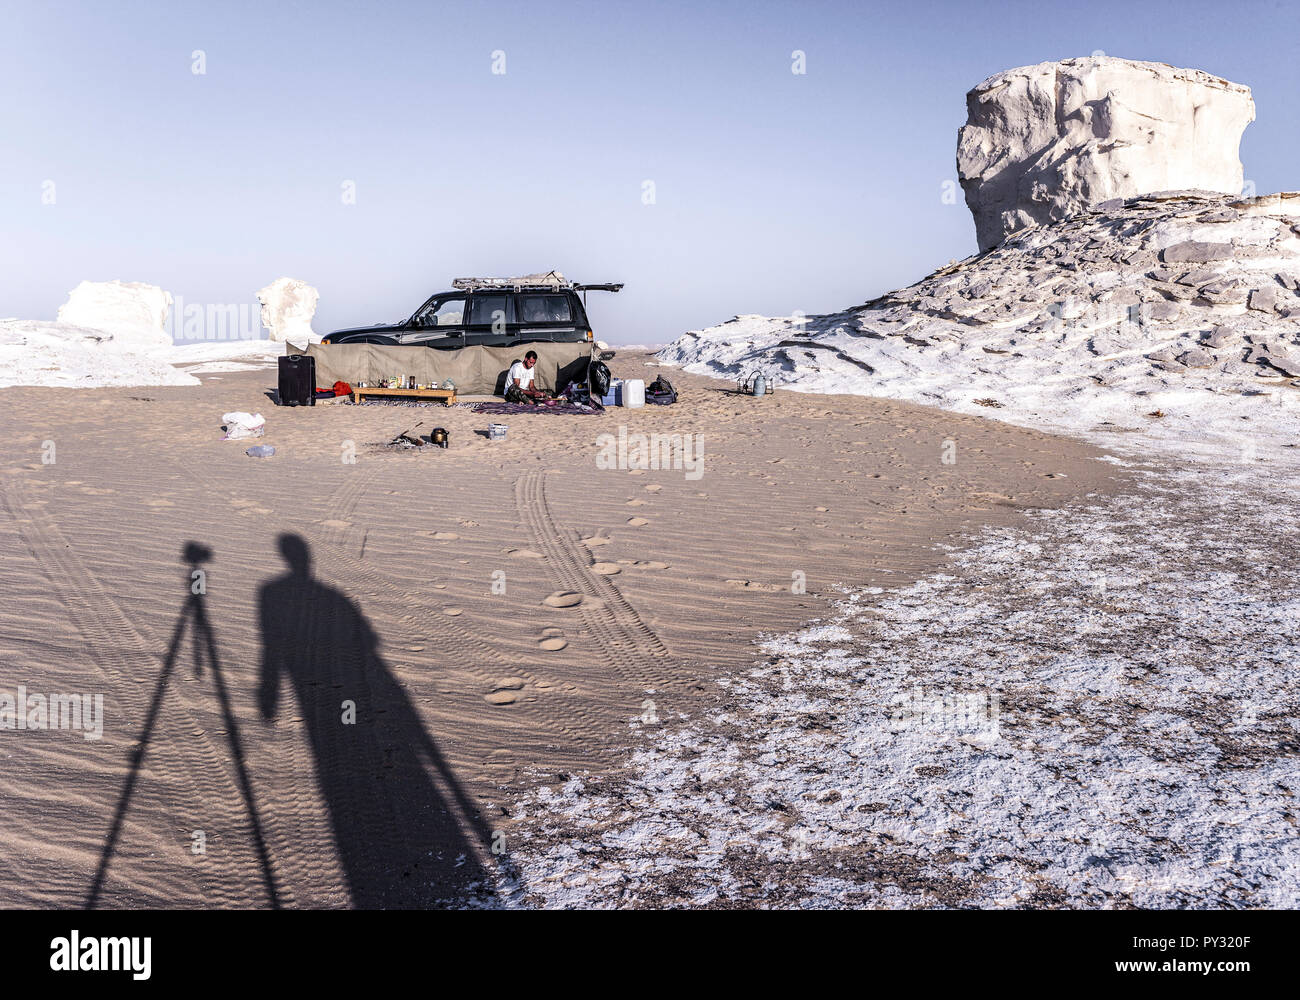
(298,380)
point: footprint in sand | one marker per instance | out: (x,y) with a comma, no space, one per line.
(637,522)
(822,510)
(606,568)
(636,503)
(595,541)
(445,536)
(644,563)
(453,612)
(159,502)
(563,599)
(505,691)
(336,524)
(653,488)
(523,554)
(552,644)
(553,631)
(636,472)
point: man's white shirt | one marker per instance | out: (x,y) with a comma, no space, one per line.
(522,372)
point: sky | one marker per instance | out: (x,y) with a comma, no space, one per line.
(378,150)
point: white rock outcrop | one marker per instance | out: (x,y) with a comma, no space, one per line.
(1186,305)
(288,306)
(131,313)
(1042,143)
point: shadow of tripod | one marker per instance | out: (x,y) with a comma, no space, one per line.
(204,647)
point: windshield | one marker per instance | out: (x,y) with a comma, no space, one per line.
(443,310)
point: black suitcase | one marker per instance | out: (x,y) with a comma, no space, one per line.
(298,380)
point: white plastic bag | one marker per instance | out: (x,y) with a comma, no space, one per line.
(240,425)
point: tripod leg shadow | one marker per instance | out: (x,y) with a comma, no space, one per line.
(205,646)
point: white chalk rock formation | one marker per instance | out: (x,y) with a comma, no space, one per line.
(288,306)
(1180,305)
(132,314)
(1042,143)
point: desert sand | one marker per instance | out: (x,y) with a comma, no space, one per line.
(497,612)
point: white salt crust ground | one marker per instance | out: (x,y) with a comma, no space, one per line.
(1142,752)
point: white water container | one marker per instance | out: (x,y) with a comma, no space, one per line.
(634,392)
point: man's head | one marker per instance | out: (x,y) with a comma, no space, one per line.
(295,552)
(530,359)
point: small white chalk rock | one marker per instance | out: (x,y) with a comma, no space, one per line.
(288,306)
(1042,143)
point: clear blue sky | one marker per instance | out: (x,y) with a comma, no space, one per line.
(774,191)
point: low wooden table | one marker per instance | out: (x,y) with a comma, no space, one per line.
(448,396)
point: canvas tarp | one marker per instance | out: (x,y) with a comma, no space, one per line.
(474,370)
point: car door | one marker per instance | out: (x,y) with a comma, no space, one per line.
(440,322)
(490,318)
(545,316)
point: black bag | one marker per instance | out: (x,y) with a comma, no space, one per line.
(598,378)
(297,380)
(660,391)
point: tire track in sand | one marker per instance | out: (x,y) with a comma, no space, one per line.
(628,645)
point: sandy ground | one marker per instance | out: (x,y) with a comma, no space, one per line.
(493,615)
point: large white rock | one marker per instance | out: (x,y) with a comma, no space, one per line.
(288,306)
(133,314)
(1044,142)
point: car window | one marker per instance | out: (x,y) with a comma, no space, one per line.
(484,309)
(446,311)
(544,309)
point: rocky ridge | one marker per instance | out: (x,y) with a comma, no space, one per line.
(1182,301)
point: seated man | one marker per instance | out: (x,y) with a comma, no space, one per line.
(520,387)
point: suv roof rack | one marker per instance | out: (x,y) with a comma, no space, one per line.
(551,279)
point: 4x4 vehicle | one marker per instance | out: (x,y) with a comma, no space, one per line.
(494,312)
